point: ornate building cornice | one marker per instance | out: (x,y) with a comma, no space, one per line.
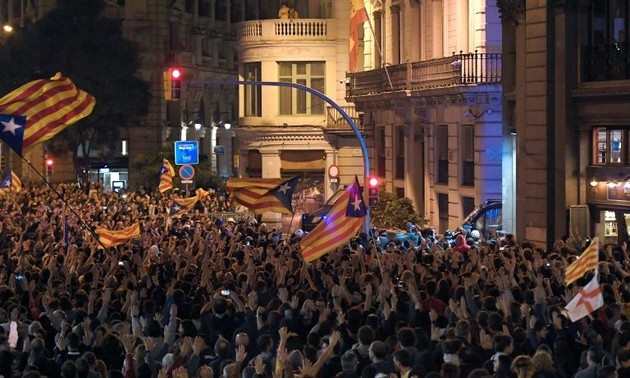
(511,10)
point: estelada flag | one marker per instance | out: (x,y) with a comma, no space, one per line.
(181,206)
(344,220)
(112,238)
(11,182)
(588,260)
(40,109)
(260,195)
(589,299)
(167,172)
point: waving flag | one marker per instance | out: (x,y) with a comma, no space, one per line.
(589,299)
(588,260)
(358,15)
(40,109)
(260,195)
(112,238)
(11,182)
(181,206)
(167,172)
(343,222)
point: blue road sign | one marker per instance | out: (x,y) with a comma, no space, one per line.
(186,152)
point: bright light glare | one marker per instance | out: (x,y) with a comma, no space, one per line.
(176,73)
(373,181)
(7,28)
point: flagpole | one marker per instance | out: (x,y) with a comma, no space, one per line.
(64,202)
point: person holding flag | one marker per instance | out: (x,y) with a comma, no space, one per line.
(181,206)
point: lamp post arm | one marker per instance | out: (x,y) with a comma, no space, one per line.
(346,116)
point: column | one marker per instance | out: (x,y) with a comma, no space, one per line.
(243,158)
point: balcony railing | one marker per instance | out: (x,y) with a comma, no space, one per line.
(286,30)
(335,121)
(459,69)
(605,62)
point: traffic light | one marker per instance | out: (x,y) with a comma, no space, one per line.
(176,83)
(49,167)
(3,163)
(374,185)
(173,84)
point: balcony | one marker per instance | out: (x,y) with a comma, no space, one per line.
(335,122)
(459,69)
(279,31)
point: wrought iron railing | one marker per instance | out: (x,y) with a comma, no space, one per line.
(335,121)
(459,69)
(605,62)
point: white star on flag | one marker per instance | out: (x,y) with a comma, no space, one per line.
(284,187)
(176,208)
(6,183)
(11,126)
(357,203)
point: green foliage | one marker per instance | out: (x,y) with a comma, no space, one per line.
(147,167)
(77,41)
(393,212)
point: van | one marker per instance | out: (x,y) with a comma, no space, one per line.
(487,216)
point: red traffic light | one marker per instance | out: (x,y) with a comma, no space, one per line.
(49,162)
(374,182)
(176,73)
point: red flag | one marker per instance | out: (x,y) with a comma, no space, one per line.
(40,109)
(343,222)
(358,15)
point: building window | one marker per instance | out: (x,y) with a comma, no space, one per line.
(124,147)
(441,150)
(400,192)
(299,102)
(606,52)
(400,152)
(468,155)
(610,146)
(468,205)
(443,209)
(380,151)
(253,93)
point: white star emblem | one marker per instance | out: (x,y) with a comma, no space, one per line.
(176,208)
(284,188)
(357,203)
(6,183)
(11,126)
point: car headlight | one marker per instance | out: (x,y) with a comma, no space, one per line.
(316,219)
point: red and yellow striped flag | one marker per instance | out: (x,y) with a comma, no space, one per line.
(112,238)
(40,109)
(358,15)
(588,260)
(167,172)
(10,182)
(260,195)
(181,206)
(342,223)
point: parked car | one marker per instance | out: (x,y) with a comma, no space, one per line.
(312,219)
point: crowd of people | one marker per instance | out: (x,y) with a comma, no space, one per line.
(200,296)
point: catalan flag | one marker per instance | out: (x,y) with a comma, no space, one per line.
(40,109)
(182,205)
(11,182)
(167,172)
(112,238)
(588,260)
(358,15)
(260,195)
(343,222)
